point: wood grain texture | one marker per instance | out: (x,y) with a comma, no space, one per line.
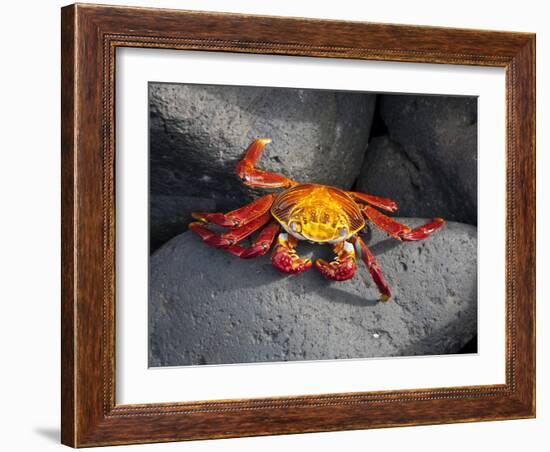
(90,36)
(68,244)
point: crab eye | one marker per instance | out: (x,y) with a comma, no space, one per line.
(343,232)
(296,227)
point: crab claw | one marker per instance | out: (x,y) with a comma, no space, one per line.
(342,267)
(284,257)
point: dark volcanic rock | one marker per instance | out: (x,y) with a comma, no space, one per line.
(170,215)
(428,161)
(198,133)
(208,307)
(389,172)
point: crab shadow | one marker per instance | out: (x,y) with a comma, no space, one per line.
(339,295)
(359,291)
(384,246)
(312,281)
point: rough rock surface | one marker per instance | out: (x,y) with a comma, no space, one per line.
(209,307)
(170,216)
(428,161)
(198,133)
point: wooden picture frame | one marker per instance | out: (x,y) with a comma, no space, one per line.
(90,36)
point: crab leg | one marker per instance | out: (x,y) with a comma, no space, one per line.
(231,237)
(382,203)
(207,235)
(263,242)
(238,217)
(253,177)
(398,230)
(342,267)
(284,257)
(260,246)
(372,266)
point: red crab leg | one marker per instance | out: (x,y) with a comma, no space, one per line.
(342,267)
(238,217)
(206,235)
(231,237)
(381,203)
(253,177)
(398,230)
(263,242)
(260,246)
(372,266)
(284,257)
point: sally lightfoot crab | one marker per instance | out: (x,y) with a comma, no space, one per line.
(313,212)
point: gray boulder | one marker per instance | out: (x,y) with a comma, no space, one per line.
(198,133)
(209,307)
(428,161)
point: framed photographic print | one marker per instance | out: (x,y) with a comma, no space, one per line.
(281,225)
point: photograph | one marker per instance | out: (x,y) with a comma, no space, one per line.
(298,224)
(266,226)
(275,225)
